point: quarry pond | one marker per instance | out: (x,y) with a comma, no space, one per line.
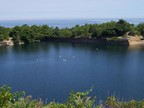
(51,70)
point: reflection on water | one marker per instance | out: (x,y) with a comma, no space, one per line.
(52,70)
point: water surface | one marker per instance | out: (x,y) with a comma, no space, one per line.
(52,70)
(62,23)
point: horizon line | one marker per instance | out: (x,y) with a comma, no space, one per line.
(69,18)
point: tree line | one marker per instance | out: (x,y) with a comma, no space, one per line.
(37,33)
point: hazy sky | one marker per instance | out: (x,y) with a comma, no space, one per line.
(56,9)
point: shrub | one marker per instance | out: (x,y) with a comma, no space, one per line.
(7,96)
(75,100)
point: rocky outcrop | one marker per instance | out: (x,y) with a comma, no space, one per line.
(8,42)
(103,41)
(125,41)
(135,40)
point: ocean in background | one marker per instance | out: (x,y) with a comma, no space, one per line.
(62,23)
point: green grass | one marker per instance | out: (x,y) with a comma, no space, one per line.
(113,39)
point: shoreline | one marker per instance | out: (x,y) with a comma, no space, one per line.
(89,40)
(130,41)
(8,42)
(120,41)
(119,33)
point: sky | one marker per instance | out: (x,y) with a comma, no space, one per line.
(70,9)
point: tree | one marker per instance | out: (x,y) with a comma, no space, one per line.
(122,27)
(65,33)
(97,33)
(28,35)
(140,28)
(15,33)
(56,32)
(4,33)
(46,31)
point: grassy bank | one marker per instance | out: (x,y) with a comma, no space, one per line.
(9,99)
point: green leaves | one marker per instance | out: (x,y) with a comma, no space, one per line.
(122,27)
(141,28)
(80,100)
(6,95)
(36,33)
(4,33)
(75,100)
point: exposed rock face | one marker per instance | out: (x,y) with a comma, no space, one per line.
(8,42)
(135,40)
(126,41)
(2,44)
(123,42)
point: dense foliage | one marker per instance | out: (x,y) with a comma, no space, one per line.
(36,33)
(75,100)
(4,33)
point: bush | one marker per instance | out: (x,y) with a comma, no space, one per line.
(75,100)
(7,96)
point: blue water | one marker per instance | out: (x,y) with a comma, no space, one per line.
(61,23)
(52,70)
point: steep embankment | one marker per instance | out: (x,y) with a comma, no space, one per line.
(135,40)
(104,41)
(126,41)
(7,42)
